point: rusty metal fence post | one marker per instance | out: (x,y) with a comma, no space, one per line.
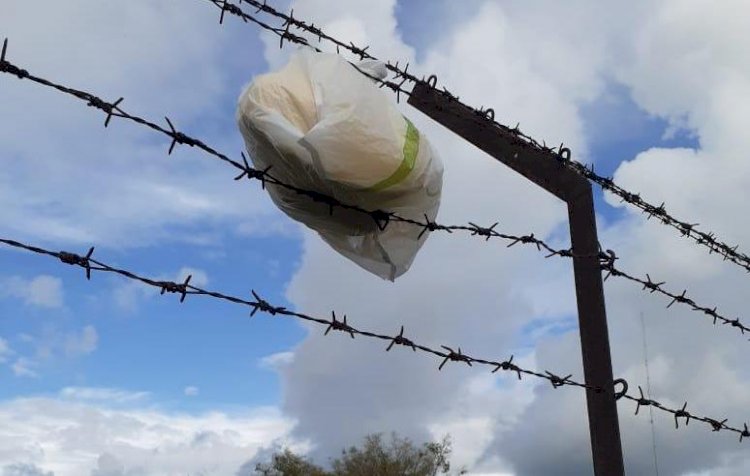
(542,168)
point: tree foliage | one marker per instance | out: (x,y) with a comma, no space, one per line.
(287,463)
(375,457)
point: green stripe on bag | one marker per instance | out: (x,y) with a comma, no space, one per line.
(411,148)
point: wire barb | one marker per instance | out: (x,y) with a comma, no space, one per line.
(454,356)
(77,260)
(682,413)
(8,67)
(253,173)
(382,218)
(177,288)
(745,433)
(487,232)
(231,8)
(262,305)
(179,137)
(651,285)
(336,325)
(716,425)
(508,365)
(642,401)
(401,340)
(429,225)
(557,381)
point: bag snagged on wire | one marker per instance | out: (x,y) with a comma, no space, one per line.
(322,126)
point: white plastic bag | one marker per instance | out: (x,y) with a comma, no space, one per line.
(323,126)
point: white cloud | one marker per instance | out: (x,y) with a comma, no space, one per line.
(81,343)
(191,391)
(272,225)
(127,294)
(106,396)
(77,437)
(41,291)
(473,421)
(5,350)
(277,361)
(23,367)
(198,277)
(51,345)
(53,342)
(378,28)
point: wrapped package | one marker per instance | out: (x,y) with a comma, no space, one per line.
(323,126)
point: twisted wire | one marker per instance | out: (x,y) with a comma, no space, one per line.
(340,323)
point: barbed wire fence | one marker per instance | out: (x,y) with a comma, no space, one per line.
(485,117)
(341,324)
(382,218)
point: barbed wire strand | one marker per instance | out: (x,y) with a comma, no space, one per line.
(341,324)
(485,117)
(381,218)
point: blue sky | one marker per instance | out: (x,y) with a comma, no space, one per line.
(218,349)
(211,343)
(205,357)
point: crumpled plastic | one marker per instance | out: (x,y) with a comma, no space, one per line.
(323,126)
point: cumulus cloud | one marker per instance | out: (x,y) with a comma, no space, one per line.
(277,360)
(542,75)
(191,391)
(88,436)
(41,291)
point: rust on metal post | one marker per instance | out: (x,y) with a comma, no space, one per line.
(592,324)
(537,165)
(543,168)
